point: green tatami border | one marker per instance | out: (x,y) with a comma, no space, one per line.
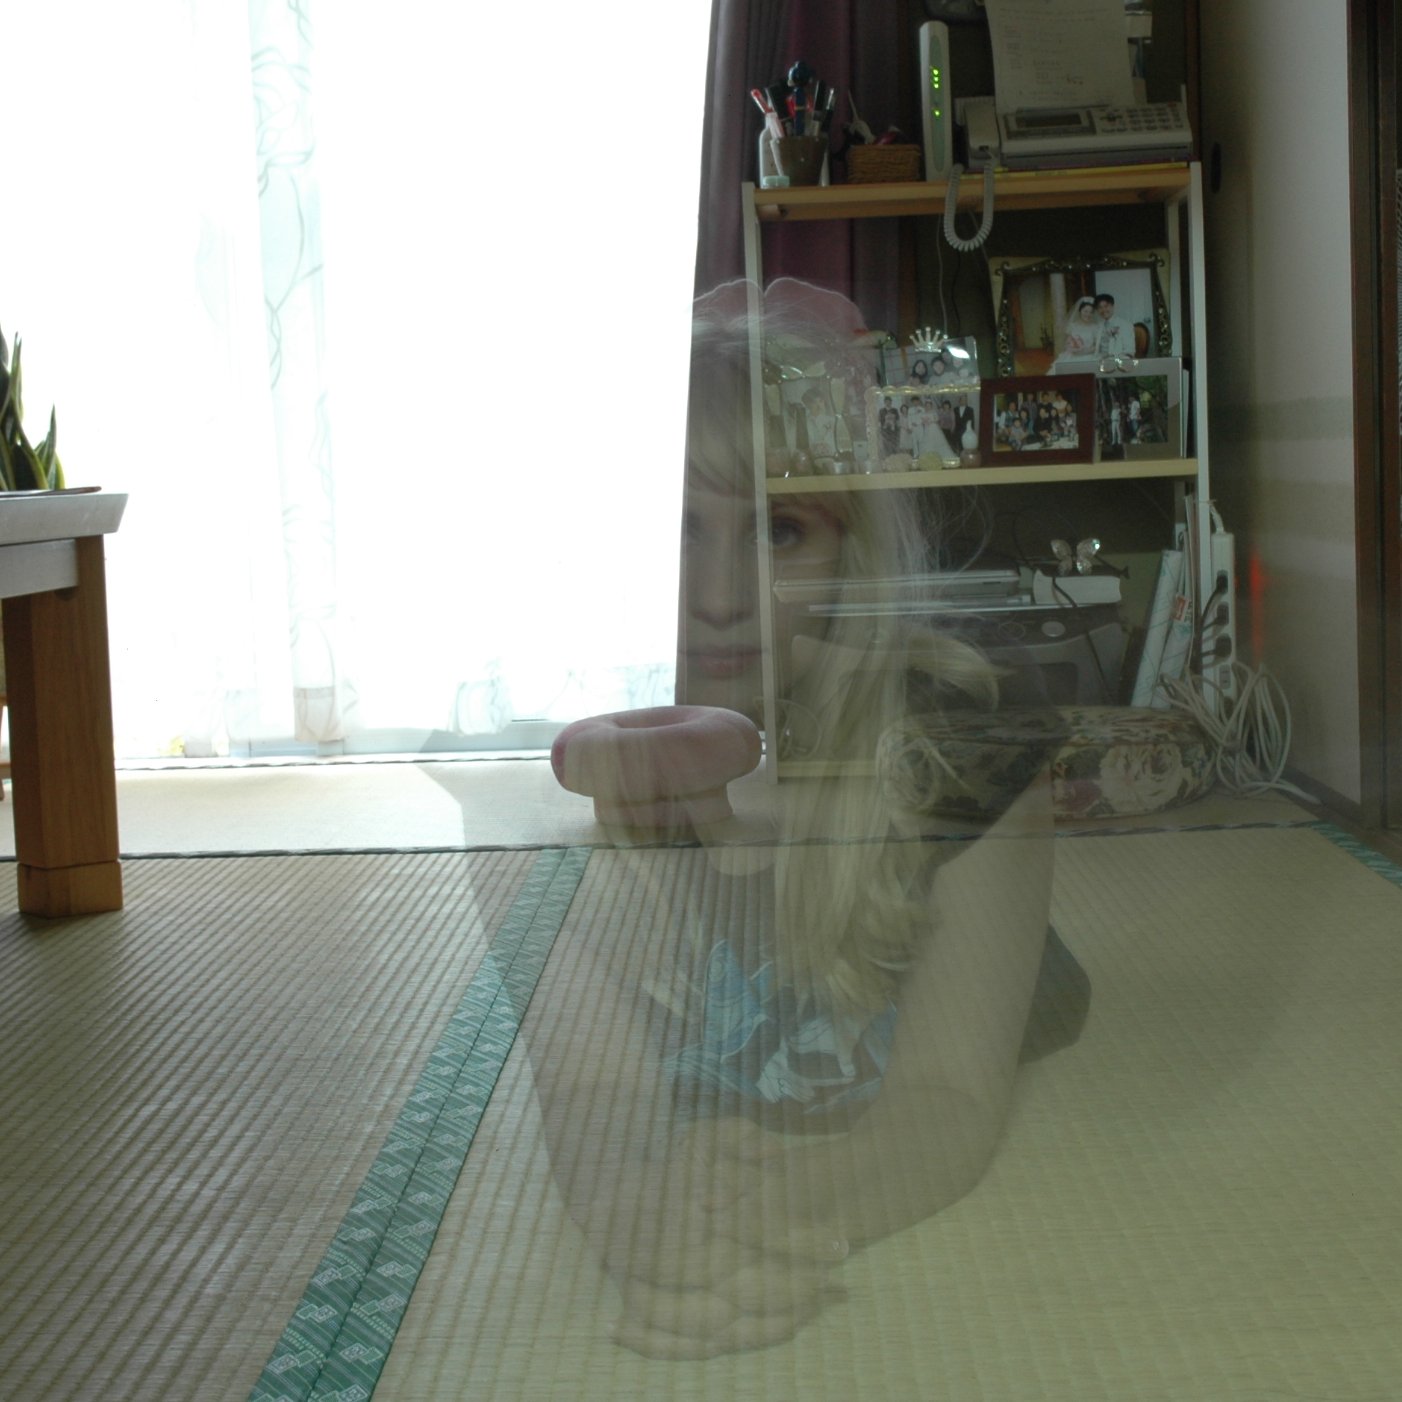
(338,1340)
(1373,860)
(339,1337)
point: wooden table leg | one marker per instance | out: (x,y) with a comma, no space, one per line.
(64,781)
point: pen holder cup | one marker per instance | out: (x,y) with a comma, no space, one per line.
(791,160)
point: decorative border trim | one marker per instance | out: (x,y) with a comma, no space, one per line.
(338,1340)
(1374,861)
(339,1337)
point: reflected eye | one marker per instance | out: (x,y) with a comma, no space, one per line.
(804,538)
(786,532)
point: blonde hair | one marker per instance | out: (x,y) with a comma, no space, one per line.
(851,877)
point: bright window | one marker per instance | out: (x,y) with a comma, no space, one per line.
(493,358)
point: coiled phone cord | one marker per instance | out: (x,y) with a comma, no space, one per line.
(951,201)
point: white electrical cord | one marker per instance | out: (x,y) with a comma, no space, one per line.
(1251,741)
(951,200)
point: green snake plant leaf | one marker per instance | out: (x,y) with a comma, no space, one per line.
(23,467)
(47,453)
(7,465)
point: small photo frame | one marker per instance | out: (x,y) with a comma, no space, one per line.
(1035,419)
(814,405)
(1054,309)
(921,426)
(955,363)
(1140,409)
(812,424)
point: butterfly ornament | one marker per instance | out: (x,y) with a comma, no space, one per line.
(1081,560)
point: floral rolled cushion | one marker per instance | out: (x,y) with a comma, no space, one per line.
(1106,761)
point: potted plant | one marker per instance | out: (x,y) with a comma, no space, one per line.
(23,467)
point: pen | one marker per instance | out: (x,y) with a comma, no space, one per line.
(778,95)
(771,118)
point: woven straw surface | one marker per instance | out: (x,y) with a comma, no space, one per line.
(194,1089)
(1200,1200)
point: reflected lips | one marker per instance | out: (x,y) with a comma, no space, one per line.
(721,663)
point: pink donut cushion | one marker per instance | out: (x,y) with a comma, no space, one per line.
(659,767)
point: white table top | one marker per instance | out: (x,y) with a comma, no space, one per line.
(26,517)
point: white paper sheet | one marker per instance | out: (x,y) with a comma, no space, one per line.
(1059,53)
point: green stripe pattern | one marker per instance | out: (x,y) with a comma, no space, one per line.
(339,1338)
(1374,861)
(336,1344)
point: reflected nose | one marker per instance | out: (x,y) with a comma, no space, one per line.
(720,584)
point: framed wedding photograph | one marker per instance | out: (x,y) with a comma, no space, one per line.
(916,426)
(1033,419)
(1051,310)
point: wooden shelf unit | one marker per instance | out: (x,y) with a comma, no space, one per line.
(953,477)
(1174,186)
(1012,190)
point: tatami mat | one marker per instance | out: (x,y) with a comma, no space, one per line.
(193,1091)
(1200,1200)
(399,805)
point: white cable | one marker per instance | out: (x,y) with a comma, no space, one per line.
(951,200)
(1251,741)
(939,273)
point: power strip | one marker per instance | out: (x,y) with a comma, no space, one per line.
(1219,654)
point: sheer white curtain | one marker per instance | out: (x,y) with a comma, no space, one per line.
(380,315)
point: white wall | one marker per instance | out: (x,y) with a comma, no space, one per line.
(1275,97)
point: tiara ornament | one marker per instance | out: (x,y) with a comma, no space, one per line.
(928,339)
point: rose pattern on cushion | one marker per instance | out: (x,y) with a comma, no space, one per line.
(1106,761)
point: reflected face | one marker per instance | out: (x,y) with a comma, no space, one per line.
(720,643)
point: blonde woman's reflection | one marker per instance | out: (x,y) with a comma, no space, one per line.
(763,1053)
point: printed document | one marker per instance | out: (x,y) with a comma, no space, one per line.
(1059,53)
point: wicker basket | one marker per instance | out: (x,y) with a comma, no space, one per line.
(876,165)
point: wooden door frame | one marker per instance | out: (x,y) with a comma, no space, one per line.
(1373,179)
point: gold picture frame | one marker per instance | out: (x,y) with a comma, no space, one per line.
(1037,301)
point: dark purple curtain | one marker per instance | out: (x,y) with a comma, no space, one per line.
(860,49)
(865,50)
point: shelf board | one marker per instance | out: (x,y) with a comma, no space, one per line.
(983,477)
(1013,189)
